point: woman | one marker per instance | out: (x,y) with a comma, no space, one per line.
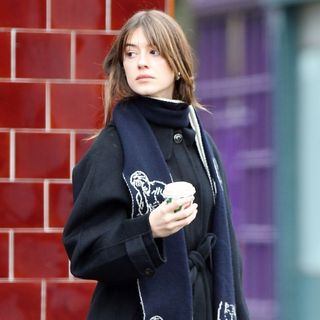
(150,260)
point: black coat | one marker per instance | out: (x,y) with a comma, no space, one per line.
(99,230)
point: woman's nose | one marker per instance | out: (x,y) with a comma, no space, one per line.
(142,61)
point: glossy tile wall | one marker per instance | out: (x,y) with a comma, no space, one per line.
(51,85)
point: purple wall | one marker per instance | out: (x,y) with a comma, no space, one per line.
(234,83)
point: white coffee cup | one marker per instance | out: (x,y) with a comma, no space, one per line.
(178,190)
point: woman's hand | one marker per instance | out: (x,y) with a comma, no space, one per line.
(164,221)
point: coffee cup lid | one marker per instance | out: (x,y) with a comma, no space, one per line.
(179,189)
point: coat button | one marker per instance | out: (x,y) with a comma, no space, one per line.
(178,137)
(148,272)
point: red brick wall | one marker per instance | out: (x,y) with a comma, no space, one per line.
(50,99)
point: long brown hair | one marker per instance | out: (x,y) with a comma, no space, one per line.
(162,33)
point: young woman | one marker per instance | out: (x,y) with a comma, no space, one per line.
(151,261)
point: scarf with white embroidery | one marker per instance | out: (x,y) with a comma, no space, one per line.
(167,294)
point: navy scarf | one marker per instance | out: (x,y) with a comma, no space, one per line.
(168,294)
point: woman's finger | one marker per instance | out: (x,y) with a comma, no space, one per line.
(179,224)
(185,213)
(176,204)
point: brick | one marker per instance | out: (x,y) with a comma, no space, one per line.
(83,143)
(20,301)
(4,154)
(28,211)
(76,106)
(4,254)
(42,55)
(22,105)
(5,52)
(68,300)
(75,14)
(24,14)
(39,255)
(60,203)
(122,10)
(42,155)
(90,53)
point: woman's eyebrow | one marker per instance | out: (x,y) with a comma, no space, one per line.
(131,45)
(136,45)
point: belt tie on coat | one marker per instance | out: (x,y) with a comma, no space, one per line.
(200,266)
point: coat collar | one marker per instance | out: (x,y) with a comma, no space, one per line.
(165,138)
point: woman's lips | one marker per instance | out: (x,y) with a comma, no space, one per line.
(144,76)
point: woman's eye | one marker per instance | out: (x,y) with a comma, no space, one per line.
(155,52)
(131,54)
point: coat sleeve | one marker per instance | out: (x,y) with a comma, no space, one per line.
(102,241)
(241,306)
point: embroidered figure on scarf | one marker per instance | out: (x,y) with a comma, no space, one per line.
(149,193)
(156,318)
(226,311)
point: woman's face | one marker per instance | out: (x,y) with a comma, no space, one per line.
(147,72)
